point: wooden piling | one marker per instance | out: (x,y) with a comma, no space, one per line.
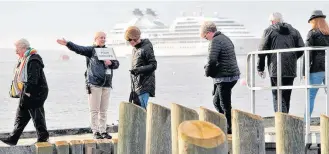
(89,143)
(132,129)
(76,147)
(289,132)
(44,148)
(115,145)
(178,115)
(62,147)
(324,131)
(201,137)
(105,145)
(158,130)
(248,134)
(213,117)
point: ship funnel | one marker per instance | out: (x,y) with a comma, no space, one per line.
(138,12)
(150,12)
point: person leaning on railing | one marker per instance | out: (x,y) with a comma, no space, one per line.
(317,36)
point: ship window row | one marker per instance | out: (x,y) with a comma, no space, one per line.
(218,25)
(154,42)
(188,22)
(195,22)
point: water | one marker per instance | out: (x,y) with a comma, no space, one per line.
(178,80)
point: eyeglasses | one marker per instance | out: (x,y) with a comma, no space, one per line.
(129,40)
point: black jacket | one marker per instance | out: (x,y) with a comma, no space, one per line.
(317,57)
(96,69)
(280,36)
(36,84)
(144,62)
(221,59)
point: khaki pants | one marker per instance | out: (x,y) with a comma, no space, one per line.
(98,103)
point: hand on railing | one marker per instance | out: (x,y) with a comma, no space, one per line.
(262,75)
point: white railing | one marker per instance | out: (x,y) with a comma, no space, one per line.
(251,72)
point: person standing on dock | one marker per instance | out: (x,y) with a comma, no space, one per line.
(99,79)
(30,86)
(143,66)
(280,35)
(222,66)
(317,36)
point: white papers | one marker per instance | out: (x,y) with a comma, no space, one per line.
(105,54)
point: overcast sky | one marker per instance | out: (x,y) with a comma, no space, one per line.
(43,22)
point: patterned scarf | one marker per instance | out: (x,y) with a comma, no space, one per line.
(20,76)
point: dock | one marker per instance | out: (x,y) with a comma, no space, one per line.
(157,130)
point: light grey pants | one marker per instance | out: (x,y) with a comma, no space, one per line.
(98,103)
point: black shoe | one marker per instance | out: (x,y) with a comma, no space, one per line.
(106,136)
(8,141)
(97,135)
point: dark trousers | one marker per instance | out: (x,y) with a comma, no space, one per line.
(286,81)
(23,116)
(222,101)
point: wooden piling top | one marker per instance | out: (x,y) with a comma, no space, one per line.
(324,116)
(208,110)
(201,133)
(73,142)
(43,144)
(115,140)
(253,116)
(89,141)
(61,143)
(103,141)
(288,115)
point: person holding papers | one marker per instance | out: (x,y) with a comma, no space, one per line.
(99,80)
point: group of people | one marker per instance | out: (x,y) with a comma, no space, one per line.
(223,68)
(30,84)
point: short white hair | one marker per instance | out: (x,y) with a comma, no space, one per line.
(23,43)
(276,16)
(208,26)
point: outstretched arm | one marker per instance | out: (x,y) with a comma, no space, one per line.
(82,50)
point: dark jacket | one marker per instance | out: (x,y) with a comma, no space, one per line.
(96,69)
(317,57)
(144,62)
(221,59)
(36,84)
(280,36)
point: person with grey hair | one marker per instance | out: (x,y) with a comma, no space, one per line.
(30,86)
(280,35)
(222,66)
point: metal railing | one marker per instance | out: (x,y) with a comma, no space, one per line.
(251,73)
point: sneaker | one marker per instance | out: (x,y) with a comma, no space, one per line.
(97,135)
(106,136)
(8,141)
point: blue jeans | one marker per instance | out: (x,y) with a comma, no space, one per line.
(143,98)
(315,79)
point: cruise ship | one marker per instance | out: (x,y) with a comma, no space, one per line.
(182,36)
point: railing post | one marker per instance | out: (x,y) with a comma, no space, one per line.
(327,81)
(253,92)
(307,92)
(279,80)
